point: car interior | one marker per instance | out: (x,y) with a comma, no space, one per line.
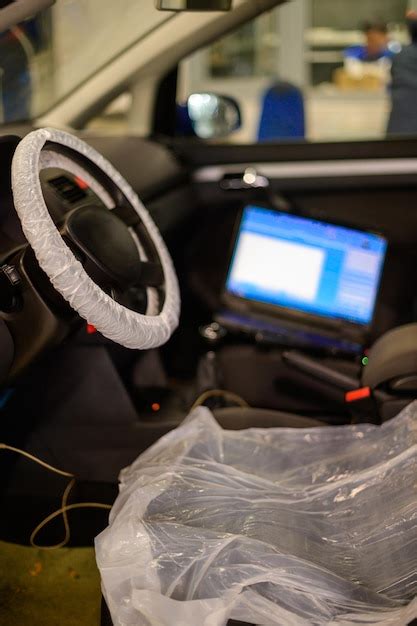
(294,265)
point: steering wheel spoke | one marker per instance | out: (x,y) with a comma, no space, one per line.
(151,275)
(134,298)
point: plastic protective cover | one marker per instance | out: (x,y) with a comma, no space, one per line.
(66,273)
(276,527)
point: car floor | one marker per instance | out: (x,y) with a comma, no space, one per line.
(41,587)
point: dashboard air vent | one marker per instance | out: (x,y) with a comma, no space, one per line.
(67,189)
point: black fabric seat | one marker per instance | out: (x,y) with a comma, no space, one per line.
(238,418)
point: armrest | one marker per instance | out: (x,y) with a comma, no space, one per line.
(317,370)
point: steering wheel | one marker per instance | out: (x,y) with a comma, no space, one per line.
(99,251)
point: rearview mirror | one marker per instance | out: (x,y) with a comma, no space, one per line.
(213,116)
(193,5)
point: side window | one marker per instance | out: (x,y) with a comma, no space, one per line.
(309,69)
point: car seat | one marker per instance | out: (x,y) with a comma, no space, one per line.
(282,114)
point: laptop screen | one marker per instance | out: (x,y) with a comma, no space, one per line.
(306,265)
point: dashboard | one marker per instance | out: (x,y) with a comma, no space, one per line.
(195,195)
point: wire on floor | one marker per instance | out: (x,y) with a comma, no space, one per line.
(213,393)
(51,468)
(65,507)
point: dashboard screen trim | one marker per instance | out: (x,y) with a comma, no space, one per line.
(306,169)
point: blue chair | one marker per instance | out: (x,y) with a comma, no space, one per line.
(283,114)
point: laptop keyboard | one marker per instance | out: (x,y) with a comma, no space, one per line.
(281,334)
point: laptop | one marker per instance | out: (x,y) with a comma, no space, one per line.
(296,281)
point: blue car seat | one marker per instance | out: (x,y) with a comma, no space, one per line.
(282,113)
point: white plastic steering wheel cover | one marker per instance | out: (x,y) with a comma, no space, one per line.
(114,321)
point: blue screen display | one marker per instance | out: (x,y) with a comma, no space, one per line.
(306,265)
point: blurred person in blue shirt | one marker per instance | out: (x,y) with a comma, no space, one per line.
(374,58)
(376,46)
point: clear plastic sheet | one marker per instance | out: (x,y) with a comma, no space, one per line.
(66,273)
(275,527)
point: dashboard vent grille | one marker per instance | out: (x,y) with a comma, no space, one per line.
(67,189)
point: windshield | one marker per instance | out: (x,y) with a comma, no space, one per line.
(45,58)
